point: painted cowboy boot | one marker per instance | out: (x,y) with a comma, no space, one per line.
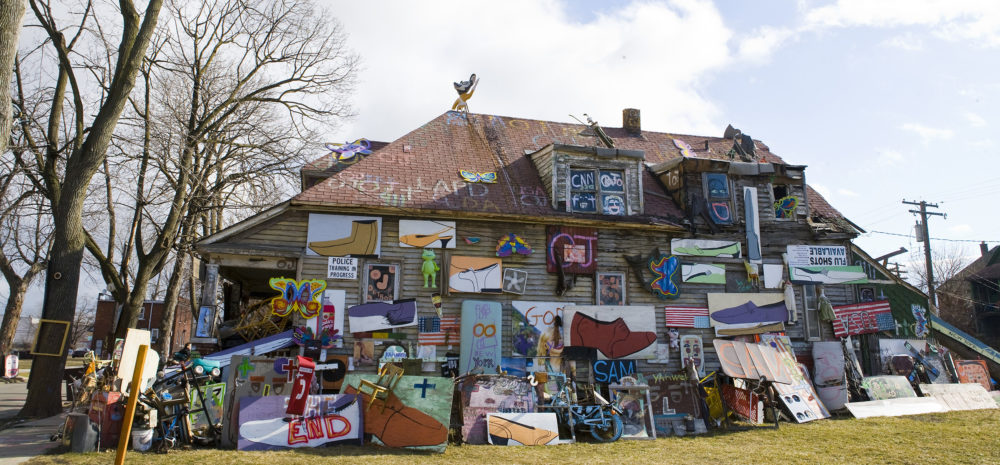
(398,425)
(362,241)
(613,338)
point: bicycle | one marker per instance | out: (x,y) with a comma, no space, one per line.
(603,420)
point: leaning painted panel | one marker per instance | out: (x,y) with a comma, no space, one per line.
(327,419)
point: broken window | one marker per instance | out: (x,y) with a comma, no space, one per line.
(597,191)
(783,201)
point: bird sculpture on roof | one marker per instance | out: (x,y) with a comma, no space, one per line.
(465,90)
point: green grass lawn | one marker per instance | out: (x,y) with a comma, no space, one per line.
(948,438)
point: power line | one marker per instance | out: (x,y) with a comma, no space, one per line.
(933,238)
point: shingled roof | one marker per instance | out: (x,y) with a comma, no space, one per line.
(419,171)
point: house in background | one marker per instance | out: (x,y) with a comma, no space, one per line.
(970,302)
(150,318)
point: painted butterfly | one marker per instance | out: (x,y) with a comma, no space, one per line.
(303,296)
(664,270)
(512,243)
(472,176)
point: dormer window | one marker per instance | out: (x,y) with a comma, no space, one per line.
(597,191)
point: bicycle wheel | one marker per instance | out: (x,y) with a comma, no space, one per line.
(611,431)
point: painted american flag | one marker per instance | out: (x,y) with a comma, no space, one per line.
(678,316)
(862,318)
(433,330)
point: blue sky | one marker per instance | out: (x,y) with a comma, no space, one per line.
(883,100)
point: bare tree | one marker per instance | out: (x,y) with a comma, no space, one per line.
(25,232)
(83,324)
(948,259)
(232,95)
(11,13)
(68,166)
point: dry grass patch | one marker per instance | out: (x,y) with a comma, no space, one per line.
(948,438)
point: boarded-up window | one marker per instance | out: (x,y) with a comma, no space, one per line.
(597,191)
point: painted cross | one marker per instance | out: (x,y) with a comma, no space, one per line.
(289,368)
(423,387)
(245,367)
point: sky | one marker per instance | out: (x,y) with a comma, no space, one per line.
(882,100)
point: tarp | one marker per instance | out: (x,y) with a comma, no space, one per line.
(258,347)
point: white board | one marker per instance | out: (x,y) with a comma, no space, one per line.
(959,396)
(896,407)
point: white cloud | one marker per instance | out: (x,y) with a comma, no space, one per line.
(887,157)
(847,192)
(927,133)
(974,119)
(907,42)
(761,44)
(534,61)
(976,21)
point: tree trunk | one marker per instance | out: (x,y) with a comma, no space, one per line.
(11,13)
(11,316)
(133,305)
(170,302)
(62,280)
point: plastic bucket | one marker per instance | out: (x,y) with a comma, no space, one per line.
(142,439)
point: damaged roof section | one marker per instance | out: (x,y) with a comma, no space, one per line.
(420,171)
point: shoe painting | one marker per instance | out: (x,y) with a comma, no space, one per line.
(341,235)
(376,316)
(414,415)
(427,234)
(747,313)
(263,424)
(615,331)
(522,429)
(475,275)
(705,248)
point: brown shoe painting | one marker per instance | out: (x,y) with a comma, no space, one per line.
(503,430)
(362,241)
(398,425)
(613,338)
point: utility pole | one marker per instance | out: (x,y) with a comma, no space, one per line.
(927,246)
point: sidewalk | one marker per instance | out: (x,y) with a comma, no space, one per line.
(22,441)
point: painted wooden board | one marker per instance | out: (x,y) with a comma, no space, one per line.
(684,316)
(374,316)
(672,393)
(896,407)
(485,394)
(416,414)
(250,377)
(214,395)
(532,319)
(612,371)
(328,419)
(573,248)
(887,387)
(799,397)
(704,273)
(830,377)
(482,324)
(334,308)
(10,366)
(752,361)
(615,331)
(960,396)
(863,318)
(427,234)
(343,235)
(443,331)
(752,224)
(523,429)
(130,351)
(945,328)
(747,313)
(973,371)
(827,275)
(692,351)
(706,248)
(475,274)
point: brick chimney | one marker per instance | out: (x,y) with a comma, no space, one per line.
(631,121)
(983,248)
